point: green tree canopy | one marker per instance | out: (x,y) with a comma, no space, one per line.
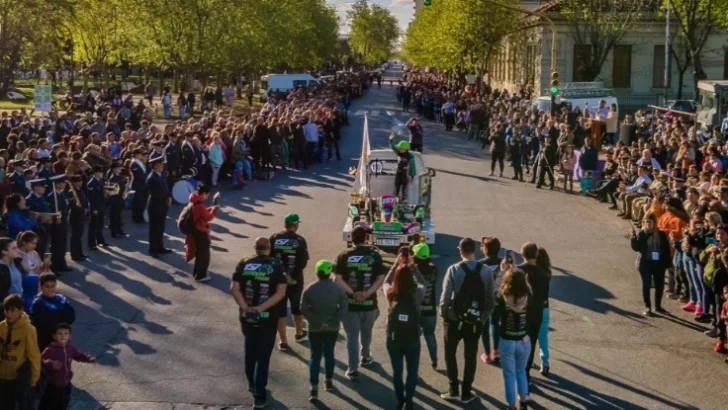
(373,32)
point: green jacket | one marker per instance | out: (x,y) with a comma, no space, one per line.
(412,166)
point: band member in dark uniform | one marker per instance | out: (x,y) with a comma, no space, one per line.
(157,205)
(116,201)
(17,178)
(189,156)
(138,170)
(172,160)
(79,206)
(95,188)
(45,173)
(58,203)
(36,202)
(157,149)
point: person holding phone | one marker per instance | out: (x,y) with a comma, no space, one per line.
(653,258)
(258,286)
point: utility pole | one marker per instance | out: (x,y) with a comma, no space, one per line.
(668,48)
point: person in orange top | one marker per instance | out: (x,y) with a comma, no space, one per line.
(673,222)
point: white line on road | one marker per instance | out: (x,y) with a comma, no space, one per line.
(360,113)
(374,113)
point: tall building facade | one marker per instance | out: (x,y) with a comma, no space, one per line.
(418,4)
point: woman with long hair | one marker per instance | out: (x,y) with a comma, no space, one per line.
(653,258)
(515,346)
(16,215)
(404,296)
(543,261)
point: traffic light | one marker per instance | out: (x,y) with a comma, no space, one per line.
(554,82)
(428,2)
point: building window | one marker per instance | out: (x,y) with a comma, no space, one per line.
(582,56)
(658,67)
(622,66)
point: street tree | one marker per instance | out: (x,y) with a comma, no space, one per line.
(600,24)
(373,32)
(697,19)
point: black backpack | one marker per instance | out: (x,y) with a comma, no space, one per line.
(185,221)
(403,324)
(469,303)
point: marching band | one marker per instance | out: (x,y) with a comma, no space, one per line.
(59,205)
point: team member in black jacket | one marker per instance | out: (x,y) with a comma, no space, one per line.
(428,311)
(539,281)
(544,163)
(172,160)
(188,161)
(157,206)
(97,205)
(138,169)
(290,248)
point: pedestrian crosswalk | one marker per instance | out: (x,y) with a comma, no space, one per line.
(378,113)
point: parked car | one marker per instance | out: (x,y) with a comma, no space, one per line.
(690,106)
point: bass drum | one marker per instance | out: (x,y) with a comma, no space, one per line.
(182,189)
(146,215)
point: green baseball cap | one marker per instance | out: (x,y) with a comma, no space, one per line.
(292,219)
(421,251)
(403,145)
(324,266)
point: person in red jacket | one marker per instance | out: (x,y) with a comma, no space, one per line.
(197,243)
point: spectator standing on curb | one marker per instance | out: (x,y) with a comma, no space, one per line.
(20,353)
(49,309)
(467,300)
(653,258)
(56,360)
(543,261)
(324,305)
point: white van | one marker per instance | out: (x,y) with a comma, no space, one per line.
(285,82)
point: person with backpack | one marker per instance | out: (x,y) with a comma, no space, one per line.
(466,301)
(405,294)
(194,224)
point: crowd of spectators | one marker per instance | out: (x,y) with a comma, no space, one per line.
(669,177)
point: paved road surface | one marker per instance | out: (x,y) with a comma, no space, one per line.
(166,342)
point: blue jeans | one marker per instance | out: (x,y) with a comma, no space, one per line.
(428,324)
(695,279)
(182,113)
(259,342)
(513,358)
(491,327)
(543,337)
(410,353)
(167,111)
(321,344)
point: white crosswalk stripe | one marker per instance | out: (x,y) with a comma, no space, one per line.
(359,113)
(374,113)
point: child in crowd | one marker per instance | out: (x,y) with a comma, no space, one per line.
(19,356)
(568,164)
(49,309)
(56,360)
(32,266)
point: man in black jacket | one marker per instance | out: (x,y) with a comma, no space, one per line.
(97,206)
(138,169)
(157,206)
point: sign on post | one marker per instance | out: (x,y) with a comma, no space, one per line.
(43,98)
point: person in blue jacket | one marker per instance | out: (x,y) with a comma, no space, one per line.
(17,217)
(49,309)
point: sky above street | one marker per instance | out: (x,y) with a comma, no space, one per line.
(403,10)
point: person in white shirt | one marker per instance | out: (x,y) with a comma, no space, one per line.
(638,189)
(310,132)
(648,160)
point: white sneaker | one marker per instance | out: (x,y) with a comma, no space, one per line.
(205,279)
(491,174)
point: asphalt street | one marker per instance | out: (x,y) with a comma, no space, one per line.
(166,342)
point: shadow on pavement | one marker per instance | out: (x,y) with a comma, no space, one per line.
(586,398)
(590,296)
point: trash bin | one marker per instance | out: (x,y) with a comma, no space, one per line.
(627,133)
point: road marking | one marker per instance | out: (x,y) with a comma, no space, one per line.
(360,113)
(374,113)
